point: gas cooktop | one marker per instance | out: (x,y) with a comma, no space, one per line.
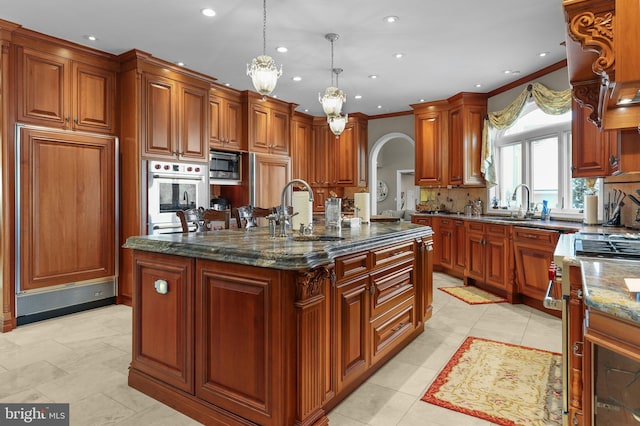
(622,245)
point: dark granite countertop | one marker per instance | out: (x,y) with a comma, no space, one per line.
(603,280)
(254,247)
(604,287)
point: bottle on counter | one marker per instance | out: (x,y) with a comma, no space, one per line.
(544,213)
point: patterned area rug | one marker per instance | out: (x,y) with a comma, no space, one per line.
(472,295)
(502,383)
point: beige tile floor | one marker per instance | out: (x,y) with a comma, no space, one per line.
(82,359)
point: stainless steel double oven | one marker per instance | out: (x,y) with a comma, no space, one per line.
(172,187)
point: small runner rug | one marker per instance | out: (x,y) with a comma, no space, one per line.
(503,383)
(472,295)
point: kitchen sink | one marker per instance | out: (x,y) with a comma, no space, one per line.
(514,219)
(318,237)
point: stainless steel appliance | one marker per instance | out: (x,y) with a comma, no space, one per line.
(173,187)
(613,245)
(225,168)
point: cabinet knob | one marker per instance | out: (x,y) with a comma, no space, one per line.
(577,349)
(372,290)
(67,118)
(161,286)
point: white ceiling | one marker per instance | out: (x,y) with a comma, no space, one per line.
(449,45)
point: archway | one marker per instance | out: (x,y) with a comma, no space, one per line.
(373,163)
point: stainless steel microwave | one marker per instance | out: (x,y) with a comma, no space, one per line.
(225,167)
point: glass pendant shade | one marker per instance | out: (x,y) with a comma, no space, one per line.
(264,74)
(337,123)
(332,101)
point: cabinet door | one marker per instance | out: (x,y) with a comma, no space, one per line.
(259,129)
(319,156)
(320,195)
(445,239)
(459,244)
(588,146)
(496,272)
(234,125)
(279,132)
(163,339)
(533,252)
(192,111)
(475,256)
(300,148)
(345,157)
(217,123)
(456,146)
(43,88)
(159,109)
(67,208)
(237,346)
(472,146)
(272,174)
(352,318)
(93,98)
(429,140)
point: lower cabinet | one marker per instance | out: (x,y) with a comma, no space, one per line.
(533,250)
(235,344)
(489,257)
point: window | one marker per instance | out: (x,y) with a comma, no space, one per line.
(536,151)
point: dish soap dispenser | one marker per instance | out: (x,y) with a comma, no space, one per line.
(544,214)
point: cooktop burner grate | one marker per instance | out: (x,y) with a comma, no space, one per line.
(613,245)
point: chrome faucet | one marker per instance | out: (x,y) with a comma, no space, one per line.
(528,213)
(283,209)
(185,197)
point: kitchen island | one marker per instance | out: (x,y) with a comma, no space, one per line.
(236,327)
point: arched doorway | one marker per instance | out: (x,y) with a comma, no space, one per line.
(374,152)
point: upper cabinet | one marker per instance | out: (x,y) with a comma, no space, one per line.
(602,59)
(176,118)
(269,125)
(466,119)
(431,130)
(594,152)
(301,139)
(449,140)
(59,87)
(227,123)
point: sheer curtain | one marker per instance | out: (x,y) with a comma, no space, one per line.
(550,101)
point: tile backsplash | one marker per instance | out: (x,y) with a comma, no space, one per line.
(453,199)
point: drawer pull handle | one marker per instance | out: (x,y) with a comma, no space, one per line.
(372,290)
(398,328)
(162,287)
(577,348)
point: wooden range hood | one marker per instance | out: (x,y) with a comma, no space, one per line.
(603,45)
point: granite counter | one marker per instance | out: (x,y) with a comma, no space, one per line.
(254,247)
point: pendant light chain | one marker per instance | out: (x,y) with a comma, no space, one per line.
(331,63)
(264,27)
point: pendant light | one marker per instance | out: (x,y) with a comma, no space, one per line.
(263,71)
(337,122)
(333,97)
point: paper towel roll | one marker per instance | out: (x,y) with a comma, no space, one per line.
(591,209)
(362,204)
(303,207)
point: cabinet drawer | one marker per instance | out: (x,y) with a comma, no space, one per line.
(391,254)
(391,286)
(475,226)
(421,220)
(351,266)
(499,230)
(389,330)
(539,237)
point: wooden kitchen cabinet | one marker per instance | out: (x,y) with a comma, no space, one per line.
(176,119)
(445,239)
(431,134)
(272,172)
(163,335)
(533,250)
(466,121)
(301,146)
(489,257)
(320,172)
(594,152)
(227,121)
(72,92)
(269,125)
(459,247)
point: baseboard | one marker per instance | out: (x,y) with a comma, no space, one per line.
(54,313)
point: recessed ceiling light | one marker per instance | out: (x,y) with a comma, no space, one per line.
(379,106)
(228,84)
(282,49)
(208,12)
(357,97)
(398,55)
(373,76)
(390,19)
(180,64)
(306,110)
(543,54)
(421,100)
(91,37)
(296,78)
(478,85)
(507,71)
